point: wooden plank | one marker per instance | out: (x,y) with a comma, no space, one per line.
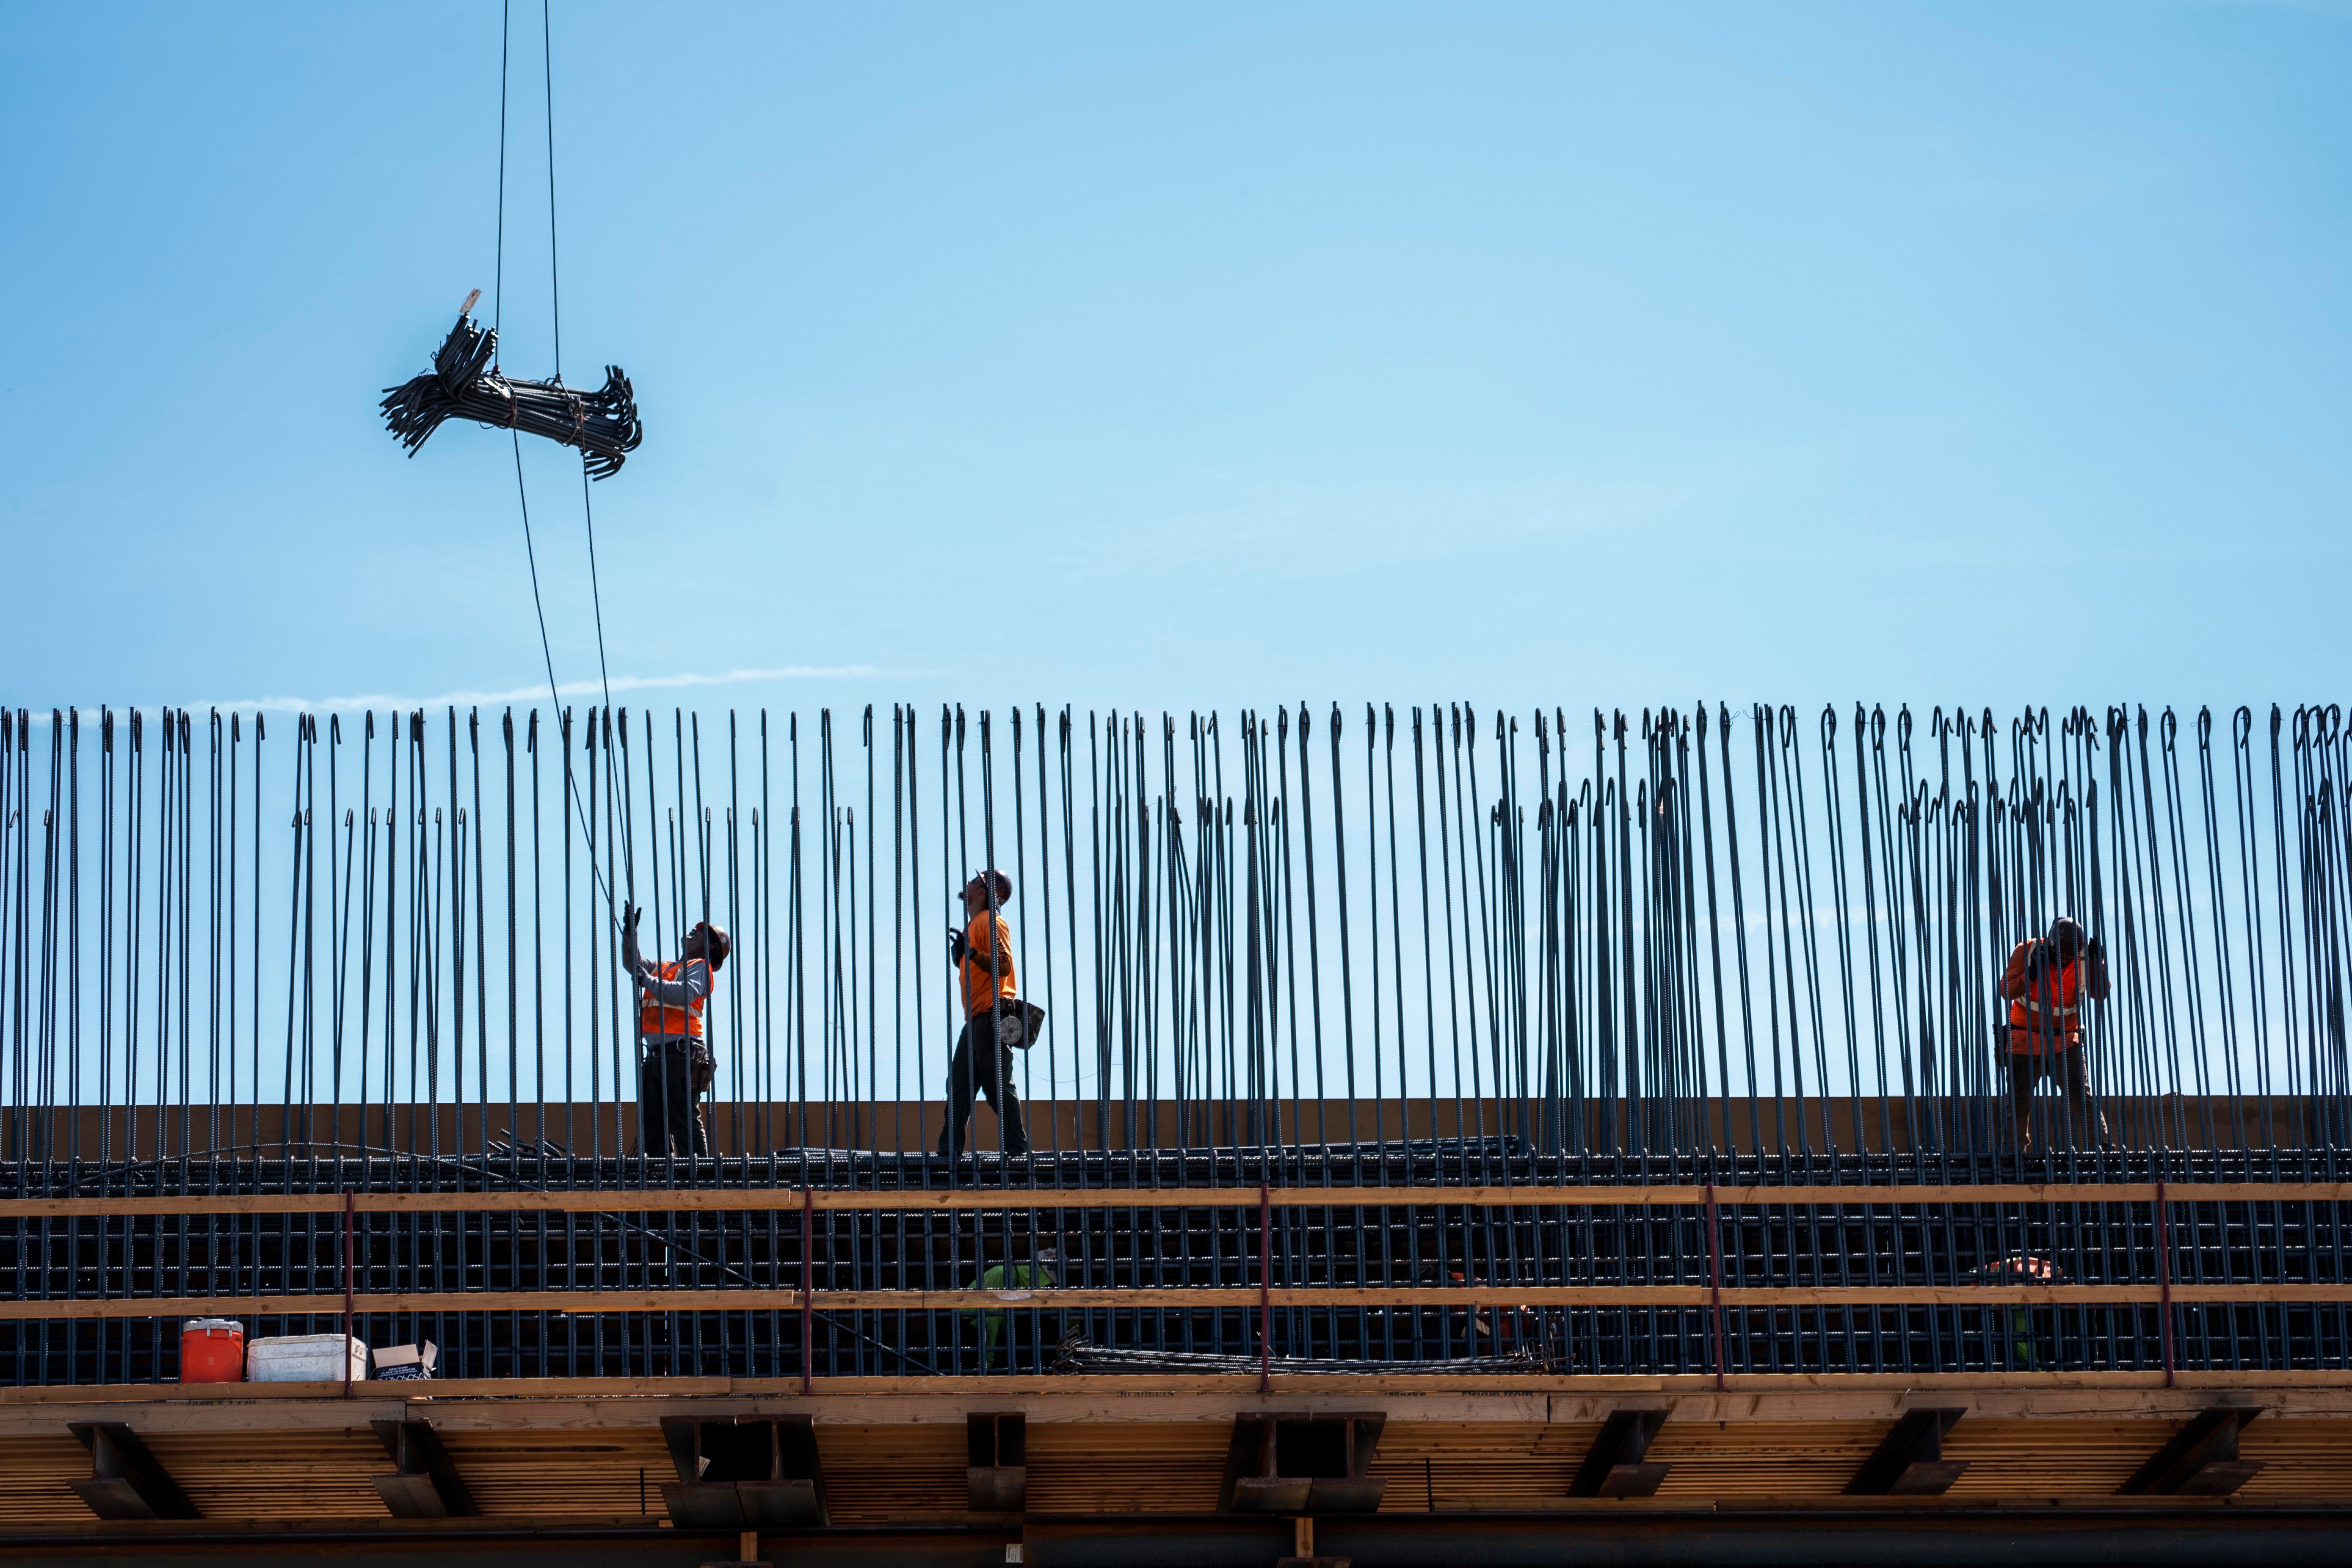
(587,1406)
(591,1303)
(2259,1192)
(698,1200)
(783,1200)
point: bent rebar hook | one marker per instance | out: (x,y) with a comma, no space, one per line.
(465,384)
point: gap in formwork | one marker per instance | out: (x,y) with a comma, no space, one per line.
(1385,951)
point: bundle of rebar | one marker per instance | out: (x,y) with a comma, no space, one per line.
(465,384)
(1082,1356)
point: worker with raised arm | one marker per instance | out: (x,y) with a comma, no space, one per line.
(981,954)
(674,1063)
(2046,982)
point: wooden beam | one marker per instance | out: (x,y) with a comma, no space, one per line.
(2201,1459)
(711,1200)
(425,1482)
(126,1481)
(589,1303)
(1614,1466)
(1909,1462)
(519,1403)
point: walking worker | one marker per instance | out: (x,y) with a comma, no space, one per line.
(674,1063)
(2045,985)
(982,956)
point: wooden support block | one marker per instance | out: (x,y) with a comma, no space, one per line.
(425,1483)
(126,1481)
(2201,1459)
(1614,1466)
(1303,1548)
(997,1474)
(1910,1462)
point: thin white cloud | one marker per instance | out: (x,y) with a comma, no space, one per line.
(531,693)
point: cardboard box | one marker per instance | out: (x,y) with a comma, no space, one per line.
(400,1364)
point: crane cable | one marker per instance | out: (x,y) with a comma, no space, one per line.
(522,496)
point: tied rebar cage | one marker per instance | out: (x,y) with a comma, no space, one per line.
(1424,1037)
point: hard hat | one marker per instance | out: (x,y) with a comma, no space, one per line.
(2067,936)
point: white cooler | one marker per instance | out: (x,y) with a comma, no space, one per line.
(306,1357)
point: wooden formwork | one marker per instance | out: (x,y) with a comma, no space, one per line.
(894,1450)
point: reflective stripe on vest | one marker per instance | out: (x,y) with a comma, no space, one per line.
(2030,1014)
(656,1021)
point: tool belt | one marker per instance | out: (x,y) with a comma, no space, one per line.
(702,1068)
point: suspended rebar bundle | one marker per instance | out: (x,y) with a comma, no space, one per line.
(464,385)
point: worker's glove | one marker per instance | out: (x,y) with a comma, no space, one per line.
(630,915)
(2039,959)
(955,947)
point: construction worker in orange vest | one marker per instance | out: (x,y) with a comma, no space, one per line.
(674,1063)
(2045,983)
(982,956)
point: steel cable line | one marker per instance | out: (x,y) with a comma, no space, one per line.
(488,347)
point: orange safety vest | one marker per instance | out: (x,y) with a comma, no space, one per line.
(656,1021)
(2042,1016)
(985,984)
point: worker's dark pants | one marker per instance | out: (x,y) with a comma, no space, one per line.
(995,1081)
(2064,1069)
(670,1102)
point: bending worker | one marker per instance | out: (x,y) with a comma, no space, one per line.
(1036,1276)
(981,954)
(675,1065)
(2045,983)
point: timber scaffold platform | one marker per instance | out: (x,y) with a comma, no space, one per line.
(1448,1146)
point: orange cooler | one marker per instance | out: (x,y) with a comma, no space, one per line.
(212,1349)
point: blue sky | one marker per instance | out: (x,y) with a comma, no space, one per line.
(1192,356)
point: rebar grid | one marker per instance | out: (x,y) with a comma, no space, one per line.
(1417,953)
